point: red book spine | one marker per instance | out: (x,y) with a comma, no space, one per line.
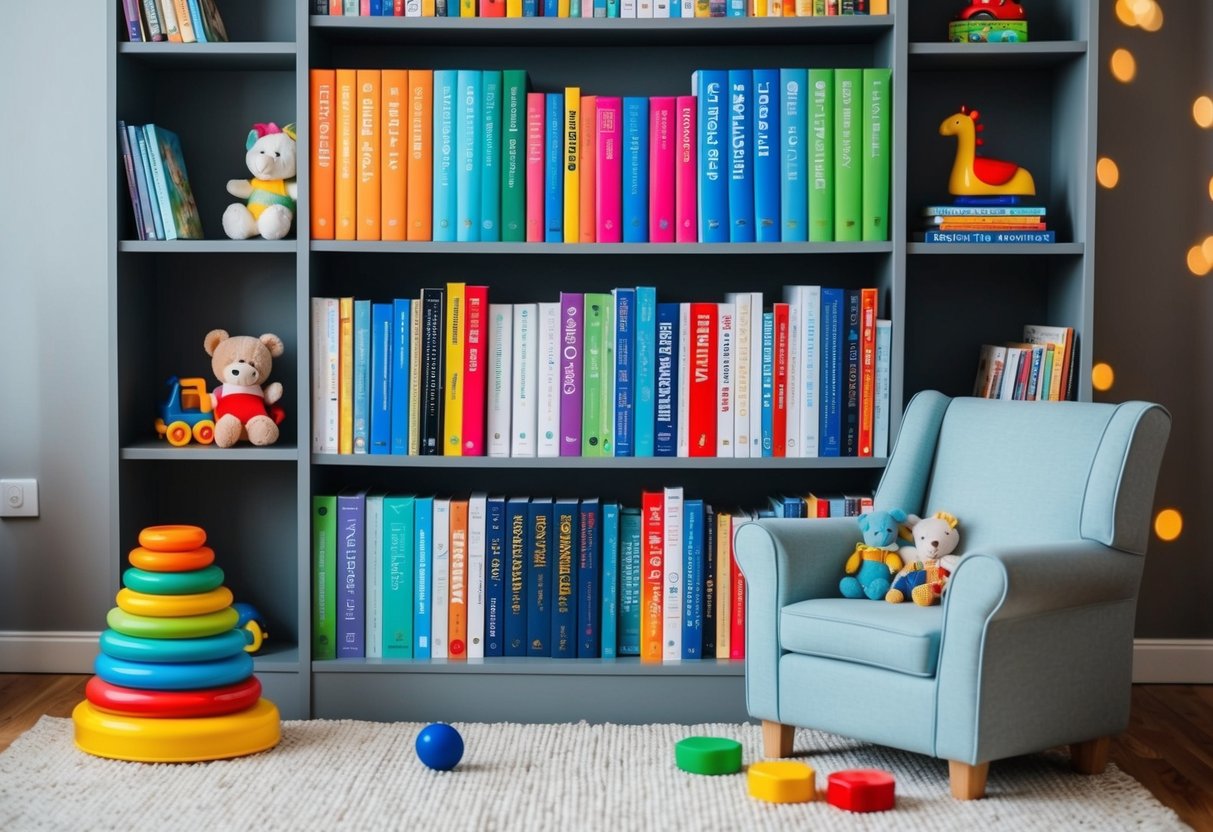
(492,8)
(868,301)
(779,415)
(702,417)
(737,614)
(476,307)
(652,519)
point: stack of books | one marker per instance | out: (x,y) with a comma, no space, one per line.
(599,8)
(175,21)
(159,186)
(986,219)
(1039,368)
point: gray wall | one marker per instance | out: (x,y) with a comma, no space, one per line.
(1152,317)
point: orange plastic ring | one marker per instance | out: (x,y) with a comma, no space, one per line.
(172,538)
(156,561)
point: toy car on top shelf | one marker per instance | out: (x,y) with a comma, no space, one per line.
(186,413)
(993,10)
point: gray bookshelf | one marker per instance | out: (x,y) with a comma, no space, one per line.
(1038,101)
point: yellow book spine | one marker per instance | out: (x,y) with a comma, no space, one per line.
(393,163)
(452,417)
(724,584)
(879,7)
(703,8)
(513,8)
(572,176)
(427,8)
(563,8)
(345,378)
(804,8)
(343,148)
(368,205)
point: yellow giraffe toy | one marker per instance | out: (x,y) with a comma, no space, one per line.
(974,175)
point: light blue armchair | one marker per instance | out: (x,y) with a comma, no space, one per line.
(1032,646)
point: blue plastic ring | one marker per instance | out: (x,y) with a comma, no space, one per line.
(160,650)
(171,676)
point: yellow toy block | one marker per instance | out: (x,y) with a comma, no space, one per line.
(782,781)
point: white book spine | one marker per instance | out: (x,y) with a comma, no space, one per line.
(501,377)
(415,378)
(548,423)
(373,623)
(440,579)
(319,348)
(627,8)
(412,8)
(810,381)
(684,379)
(661,8)
(741,373)
(477,512)
(671,598)
(326,343)
(523,419)
(1009,372)
(792,297)
(755,374)
(644,8)
(726,388)
(687,7)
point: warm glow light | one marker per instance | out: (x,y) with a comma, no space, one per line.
(1151,21)
(1124,67)
(1125,13)
(1198,264)
(1140,8)
(1206,248)
(1168,523)
(1202,111)
(1102,377)
(1211,187)
(1107,172)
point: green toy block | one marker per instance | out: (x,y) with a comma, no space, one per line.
(708,755)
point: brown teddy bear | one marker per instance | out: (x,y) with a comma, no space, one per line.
(243,409)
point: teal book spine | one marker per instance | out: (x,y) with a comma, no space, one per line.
(793,133)
(443,184)
(398,576)
(164,223)
(362,376)
(513,156)
(629,582)
(767,147)
(874,153)
(848,178)
(610,581)
(469,130)
(490,154)
(423,562)
(821,155)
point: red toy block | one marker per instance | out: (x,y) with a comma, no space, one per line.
(861,790)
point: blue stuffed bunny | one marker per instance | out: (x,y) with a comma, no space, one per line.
(871,566)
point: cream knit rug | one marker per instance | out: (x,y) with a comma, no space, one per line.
(328,775)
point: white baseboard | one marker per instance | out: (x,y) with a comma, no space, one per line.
(1173,661)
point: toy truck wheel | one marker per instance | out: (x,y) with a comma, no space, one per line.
(204,432)
(178,434)
(982,16)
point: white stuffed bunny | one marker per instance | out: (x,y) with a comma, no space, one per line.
(270,195)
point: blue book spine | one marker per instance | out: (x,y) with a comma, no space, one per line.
(469,129)
(351,574)
(986,200)
(609,624)
(398,574)
(381,378)
(625,370)
(539,579)
(833,322)
(589,578)
(495,577)
(423,551)
(362,376)
(767,154)
(146,148)
(377,8)
(635,169)
(490,153)
(737,8)
(692,579)
(600,8)
(645,368)
(518,544)
(199,26)
(1049,236)
(565,520)
(401,331)
(713,185)
(767,392)
(443,198)
(530,8)
(553,170)
(629,582)
(665,418)
(793,135)
(551,9)
(741,152)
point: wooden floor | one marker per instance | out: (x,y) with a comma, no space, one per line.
(1168,747)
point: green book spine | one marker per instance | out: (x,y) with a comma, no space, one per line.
(592,374)
(324,577)
(821,183)
(877,121)
(398,572)
(513,156)
(606,398)
(848,179)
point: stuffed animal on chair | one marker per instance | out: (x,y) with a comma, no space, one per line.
(929,563)
(876,558)
(269,207)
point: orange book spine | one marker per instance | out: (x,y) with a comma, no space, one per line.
(652,509)
(587,217)
(321,174)
(457,604)
(393,168)
(345,193)
(367,200)
(420,154)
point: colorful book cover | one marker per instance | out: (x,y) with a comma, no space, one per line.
(880,408)
(547,430)
(469,131)
(868,300)
(606,395)
(475,375)
(419,176)
(366,162)
(833,329)
(635,168)
(564,637)
(702,414)
(351,574)
(571,164)
(345,377)
(793,133)
(513,155)
(779,379)
(692,579)
(382,354)
(767,156)
(630,580)
(609,599)
(587,160)
(645,369)
(178,210)
(850,374)
(665,431)
(362,376)
(711,96)
(539,579)
(652,584)
(144,144)
(495,577)
(536,163)
(393,152)
(686,172)
(623,411)
(324,577)
(848,175)
(501,377)
(874,152)
(401,383)
(662,163)
(553,169)
(673,577)
(524,418)
(433,317)
(491,150)
(321,173)
(593,374)
(740,157)
(146,189)
(444,212)
(821,155)
(726,377)
(608,170)
(517,579)
(724,582)
(589,577)
(399,534)
(453,341)
(457,586)
(572,328)
(440,576)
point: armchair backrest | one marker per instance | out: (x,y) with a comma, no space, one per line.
(1018,473)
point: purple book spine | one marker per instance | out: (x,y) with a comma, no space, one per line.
(351,574)
(571,333)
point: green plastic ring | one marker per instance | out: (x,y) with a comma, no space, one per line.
(186,626)
(173,583)
(708,755)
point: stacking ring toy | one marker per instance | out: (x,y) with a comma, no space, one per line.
(207,649)
(173,583)
(191,626)
(180,704)
(174,606)
(174,676)
(172,538)
(186,560)
(143,740)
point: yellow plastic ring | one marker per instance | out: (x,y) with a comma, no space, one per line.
(176,740)
(172,538)
(190,626)
(187,560)
(173,606)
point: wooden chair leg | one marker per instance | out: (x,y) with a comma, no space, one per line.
(1090,757)
(777,739)
(968,782)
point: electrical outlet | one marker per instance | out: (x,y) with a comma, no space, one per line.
(18,498)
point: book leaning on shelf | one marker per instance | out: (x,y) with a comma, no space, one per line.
(1041,367)
(159,186)
(174,21)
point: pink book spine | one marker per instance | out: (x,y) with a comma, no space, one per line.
(662,156)
(364,8)
(686,175)
(534,166)
(476,310)
(609,170)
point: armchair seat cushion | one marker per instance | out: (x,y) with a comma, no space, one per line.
(903,638)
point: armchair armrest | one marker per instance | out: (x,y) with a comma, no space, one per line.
(784,561)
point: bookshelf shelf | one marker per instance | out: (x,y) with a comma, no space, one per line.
(208,246)
(158,450)
(603,249)
(512,666)
(991,249)
(211,56)
(994,55)
(472,463)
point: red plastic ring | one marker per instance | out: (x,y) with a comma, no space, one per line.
(173,703)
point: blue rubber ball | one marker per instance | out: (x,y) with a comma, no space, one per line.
(439,746)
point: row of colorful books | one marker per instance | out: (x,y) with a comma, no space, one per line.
(986,219)
(422,577)
(176,21)
(599,8)
(159,185)
(750,155)
(1041,367)
(600,374)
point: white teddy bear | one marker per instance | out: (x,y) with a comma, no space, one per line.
(270,195)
